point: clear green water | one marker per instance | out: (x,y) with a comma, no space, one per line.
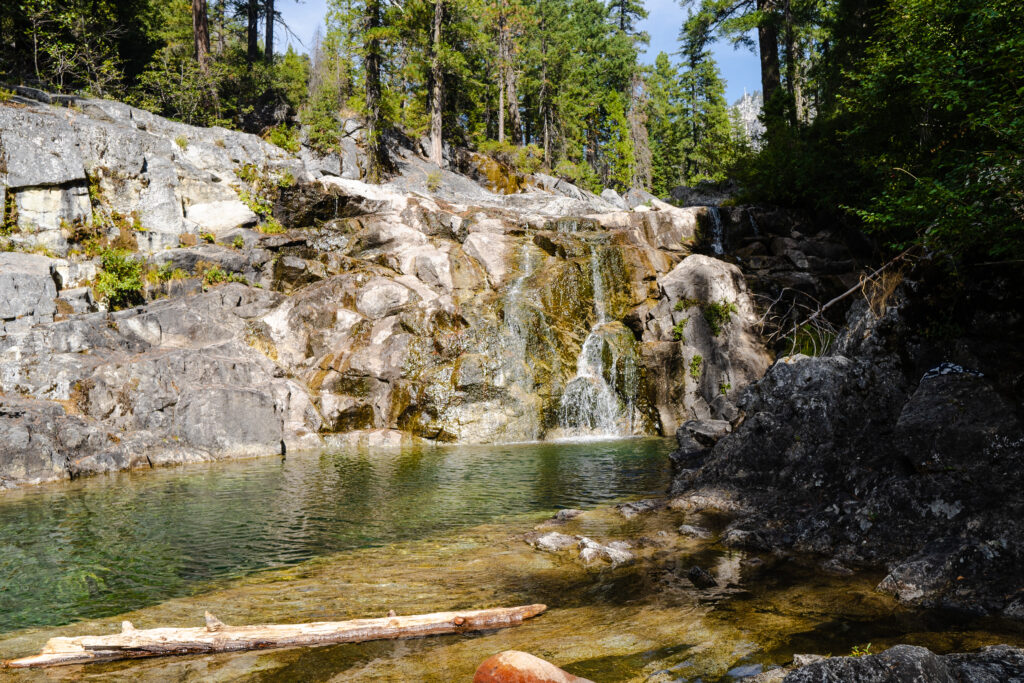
(340,536)
(106,545)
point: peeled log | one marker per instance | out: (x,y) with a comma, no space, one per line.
(217,636)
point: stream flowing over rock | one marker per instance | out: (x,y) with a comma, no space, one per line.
(410,310)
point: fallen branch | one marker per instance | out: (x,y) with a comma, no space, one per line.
(853,289)
(131,643)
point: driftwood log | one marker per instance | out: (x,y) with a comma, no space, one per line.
(132,643)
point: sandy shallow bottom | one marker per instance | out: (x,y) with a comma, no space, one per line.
(638,622)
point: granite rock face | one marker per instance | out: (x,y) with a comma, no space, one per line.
(867,458)
(417,309)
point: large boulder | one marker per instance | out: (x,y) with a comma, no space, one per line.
(27,289)
(513,666)
(853,458)
(913,664)
(706,311)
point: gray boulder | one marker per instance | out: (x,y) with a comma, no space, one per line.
(912,664)
(27,289)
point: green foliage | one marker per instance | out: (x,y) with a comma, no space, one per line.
(9,219)
(917,130)
(810,340)
(679,330)
(692,135)
(165,273)
(683,304)
(286,179)
(581,174)
(248,173)
(716,314)
(696,366)
(119,282)
(724,388)
(284,136)
(257,204)
(207,237)
(271,226)
(181,141)
(525,159)
(434,181)
(215,275)
(238,242)
(320,121)
(860,650)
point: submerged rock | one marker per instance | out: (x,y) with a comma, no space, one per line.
(513,666)
(701,578)
(615,553)
(639,507)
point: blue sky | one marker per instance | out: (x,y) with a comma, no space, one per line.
(739,67)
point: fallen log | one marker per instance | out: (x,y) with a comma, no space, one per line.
(216,636)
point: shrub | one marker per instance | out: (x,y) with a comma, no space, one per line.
(9,224)
(434,181)
(287,179)
(207,237)
(181,141)
(524,159)
(695,366)
(271,226)
(679,330)
(238,242)
(717,315)
(215,275)
(120,280)
(284,136)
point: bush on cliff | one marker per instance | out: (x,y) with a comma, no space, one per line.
(120,280)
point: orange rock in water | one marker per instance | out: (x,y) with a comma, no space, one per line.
(513,666)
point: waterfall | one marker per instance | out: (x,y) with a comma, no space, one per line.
(753,223)
(717,231)
(589,404)
(515,368)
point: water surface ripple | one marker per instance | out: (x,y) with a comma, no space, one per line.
(112,544)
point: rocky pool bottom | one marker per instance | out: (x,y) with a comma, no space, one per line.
(426,531)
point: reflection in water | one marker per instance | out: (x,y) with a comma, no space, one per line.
(110,544)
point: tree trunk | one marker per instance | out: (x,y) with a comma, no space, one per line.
(437,87)
(268,48)
(791,65)
(252,31)
(374,132)
(501,83)
(219,637)
(201,33)
(768,47)
(513,98)
(501,71)
(544,105)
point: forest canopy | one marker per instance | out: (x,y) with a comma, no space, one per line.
(900,117)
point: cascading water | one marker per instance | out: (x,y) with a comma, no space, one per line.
(717,231)
(515,366)
(589,405)
(753,223)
